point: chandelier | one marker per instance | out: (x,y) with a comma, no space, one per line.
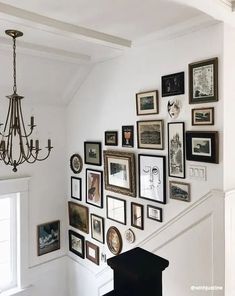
(16,144)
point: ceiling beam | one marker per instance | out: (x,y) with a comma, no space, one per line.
(41,22)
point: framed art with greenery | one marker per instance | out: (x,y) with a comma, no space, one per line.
(76,188)
(92,153)
(77,243)
(116,209)
(147,103)
(94,188)
(97,228)
(79,216)
(93,252)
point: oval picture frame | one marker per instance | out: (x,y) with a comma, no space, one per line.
(76,163)
(114,240)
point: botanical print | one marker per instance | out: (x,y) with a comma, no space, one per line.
(201,146)
(203,81)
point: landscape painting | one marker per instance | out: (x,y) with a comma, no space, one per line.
(180,191)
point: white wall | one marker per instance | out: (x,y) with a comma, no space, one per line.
(106,101)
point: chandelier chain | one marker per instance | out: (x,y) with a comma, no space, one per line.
(14,66)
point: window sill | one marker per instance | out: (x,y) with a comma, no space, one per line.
(17,292)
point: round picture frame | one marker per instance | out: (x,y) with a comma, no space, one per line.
(76,163)
(129,236)
(114,240)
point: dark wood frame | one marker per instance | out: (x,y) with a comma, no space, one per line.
(80,189)
(180,91)
(124,203)
(112,228)
(115,133)
(99,153)
(146,94)
(130,157)
(133,204)
(212,109)
(213,135)
(71,163)
(101,188)
(86,209)
(191,66)
(163,177)
(153,207)
(102,226)
(162,134)
(183,148)
(131,128)
(57,247)
(95,259)
(79,236)
(181,183)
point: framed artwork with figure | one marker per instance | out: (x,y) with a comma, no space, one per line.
(94,188)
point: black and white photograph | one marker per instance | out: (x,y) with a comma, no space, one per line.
(137,215)
(77,243)
(179,191)
(128,136)
(202,146)
(92,153)
(173,84)
(48,237)
(147,103)
(203,116)
(176,151)
(116,209)
(152,182)
(150,134)
(111,138)
(94,187)
(203,81)
(76,188)
(154,213)
(173,108)
(97,228)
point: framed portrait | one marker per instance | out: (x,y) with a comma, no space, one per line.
(152,180)
(76,163)
(116,209)
(77,243)
(203,81)
(97,228)
(111,138)
(48,237)
(203,116)
(93,252)
(94,188)
(137,215)
(128,136)
(202,146)
(173,84)
(179,190)
(154,213)
(150,134)
(79,216)
(119,171)
(76,188)
(147,103)
(92,153)
(114,240)
(176,151)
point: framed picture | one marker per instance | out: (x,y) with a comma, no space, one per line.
(180,191)
(92,153)
(93,252)
(111,138)
(76,188)
(114,240)
(203,81)
(152,181)
(79,216)
(116,209)
(173,84)
(174,106)
(202,146)
(128,136)
(48,237)
(97,228)
(154,213)
(129,236)
(76,163)
(203,116)
(147,103)
(176,151)
(94,188)
(137,215)
(119,170)
(77,243)
(150,134)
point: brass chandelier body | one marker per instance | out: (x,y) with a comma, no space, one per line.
(16,145)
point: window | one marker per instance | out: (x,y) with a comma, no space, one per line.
(8,240)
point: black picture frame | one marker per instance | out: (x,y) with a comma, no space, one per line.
(128,136)
(94,188)
(176,150)
(147,103)
(92,153)
(137,215)
(179,191)
(202,146)
(76,188)
(116,211)
(203,116)
(111,138)
(173,84)
(155,214)
(97,228)
(77,244)
(203,81)
(76,163)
